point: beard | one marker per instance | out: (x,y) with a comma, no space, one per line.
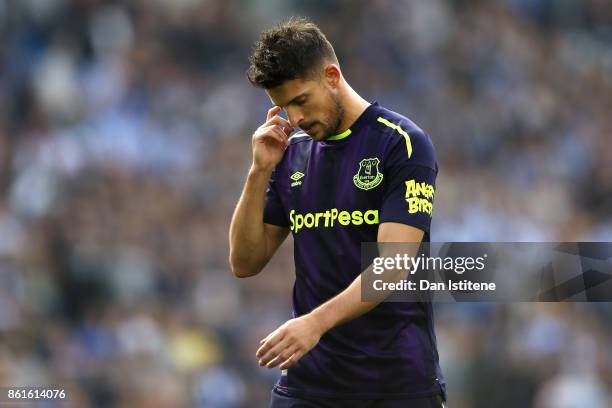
(336,116)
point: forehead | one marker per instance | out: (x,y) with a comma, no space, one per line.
(283,94)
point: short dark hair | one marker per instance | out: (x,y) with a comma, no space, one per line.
(293,49)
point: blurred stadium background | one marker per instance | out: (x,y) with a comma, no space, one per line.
(124,141)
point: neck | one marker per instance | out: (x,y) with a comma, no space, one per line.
(354,105)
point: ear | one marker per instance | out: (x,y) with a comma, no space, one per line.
(332,75)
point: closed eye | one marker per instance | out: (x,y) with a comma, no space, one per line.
(299,100)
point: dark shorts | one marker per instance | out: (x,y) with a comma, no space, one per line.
(283,401)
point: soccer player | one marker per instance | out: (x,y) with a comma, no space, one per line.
(347,177)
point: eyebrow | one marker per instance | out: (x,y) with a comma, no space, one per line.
(295,98)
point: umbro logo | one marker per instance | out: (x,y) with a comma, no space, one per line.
(296,177)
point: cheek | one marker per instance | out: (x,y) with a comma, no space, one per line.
(328,116)
(311,114)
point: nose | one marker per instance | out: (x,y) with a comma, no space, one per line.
(295,117)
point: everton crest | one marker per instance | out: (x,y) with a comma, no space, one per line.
(368,176)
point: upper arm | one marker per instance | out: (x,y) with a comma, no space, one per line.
(392,232)
(276,226)
(259,258)
(410,186)
(275,235)
(396,232)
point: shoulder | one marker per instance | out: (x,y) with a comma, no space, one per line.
(299,147)
(404,137)
(299,138)
(299,144)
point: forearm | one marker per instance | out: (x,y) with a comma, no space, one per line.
(247,234)
(287,344)
(348,304)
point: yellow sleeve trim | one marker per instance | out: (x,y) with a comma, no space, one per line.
(400,131)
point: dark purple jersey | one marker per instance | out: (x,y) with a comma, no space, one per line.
(333,195)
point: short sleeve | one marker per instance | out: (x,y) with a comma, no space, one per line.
(410,188)
(273,208)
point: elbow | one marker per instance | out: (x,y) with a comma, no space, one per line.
(241,271)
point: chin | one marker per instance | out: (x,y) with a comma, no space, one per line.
(317,137)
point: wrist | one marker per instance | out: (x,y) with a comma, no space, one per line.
(260,173)
(322,319)
(257,170)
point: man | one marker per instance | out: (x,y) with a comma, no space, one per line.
(342,181)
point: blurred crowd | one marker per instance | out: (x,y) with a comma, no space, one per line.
(125,139)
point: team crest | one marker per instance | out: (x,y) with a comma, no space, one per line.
(368,176)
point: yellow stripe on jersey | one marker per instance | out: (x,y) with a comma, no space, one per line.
(400,131)
(342,135)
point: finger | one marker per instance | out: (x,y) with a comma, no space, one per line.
(273,111)
(287,131)
(281,348)
(281,123)
(291,360)
(279,131)
(283,135)
(277,120)
(272,133)
(266,338)
(269,342)
(282,357)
